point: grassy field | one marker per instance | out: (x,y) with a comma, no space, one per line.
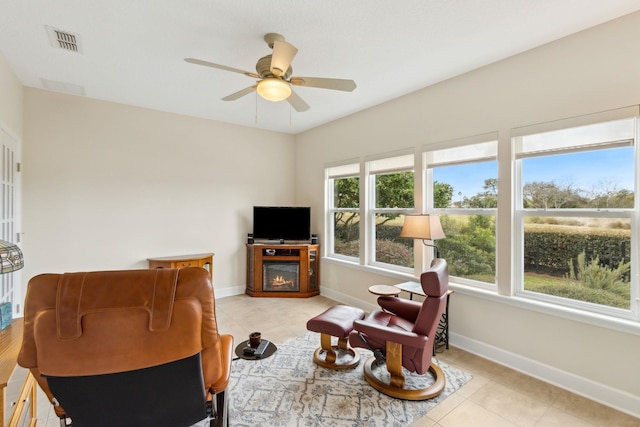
(572,289)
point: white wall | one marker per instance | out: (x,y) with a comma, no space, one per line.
(593,71)
(10,100)
(107,185)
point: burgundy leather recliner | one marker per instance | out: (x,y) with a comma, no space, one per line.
(128,348)
(404,333)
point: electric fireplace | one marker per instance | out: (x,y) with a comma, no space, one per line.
(280,276)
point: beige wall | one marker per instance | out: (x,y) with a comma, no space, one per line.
(10,100)
(589,72)
(107,185)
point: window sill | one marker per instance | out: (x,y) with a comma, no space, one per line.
(628,326)
(370,269)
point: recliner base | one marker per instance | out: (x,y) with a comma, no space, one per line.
(398,391)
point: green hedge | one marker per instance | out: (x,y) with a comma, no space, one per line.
(549,249)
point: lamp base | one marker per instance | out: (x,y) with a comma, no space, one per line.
(5,315)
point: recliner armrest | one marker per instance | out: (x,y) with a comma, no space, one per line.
(385,333)
(404,308)
(226,355)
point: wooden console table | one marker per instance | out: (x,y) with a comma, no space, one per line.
(17,386)
(180,261)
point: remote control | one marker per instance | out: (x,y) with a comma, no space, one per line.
(261,349)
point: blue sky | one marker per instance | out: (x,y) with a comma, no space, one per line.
(584,170)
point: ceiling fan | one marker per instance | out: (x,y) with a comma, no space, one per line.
(274,74)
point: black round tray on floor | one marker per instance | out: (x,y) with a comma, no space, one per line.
(271,348)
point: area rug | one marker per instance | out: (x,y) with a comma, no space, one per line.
(288,389)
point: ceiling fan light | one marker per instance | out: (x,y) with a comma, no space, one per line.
(274,89)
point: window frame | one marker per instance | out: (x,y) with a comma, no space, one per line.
(389,163)
(487,145)
(509,250)
(520,213)
(348,169)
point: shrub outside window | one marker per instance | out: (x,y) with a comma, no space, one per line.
(576,213)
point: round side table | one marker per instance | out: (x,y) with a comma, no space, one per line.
(384,290)
(271,348)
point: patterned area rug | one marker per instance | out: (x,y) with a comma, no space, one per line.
(288,389)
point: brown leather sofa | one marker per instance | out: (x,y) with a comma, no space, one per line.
(128,348)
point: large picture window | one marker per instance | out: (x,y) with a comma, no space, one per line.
(547,214)
(576,213)
(462,186)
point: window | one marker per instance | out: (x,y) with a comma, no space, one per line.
(566,191)
(576,212)
(391,181)
(343,199)
(462,186)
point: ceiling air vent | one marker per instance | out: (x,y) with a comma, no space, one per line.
(64,40)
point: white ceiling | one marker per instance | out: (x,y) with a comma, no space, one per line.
(132,51)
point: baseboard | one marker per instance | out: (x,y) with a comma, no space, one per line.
(602,393)
(348,300)
(230,291)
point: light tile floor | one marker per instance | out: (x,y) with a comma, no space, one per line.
(496,396)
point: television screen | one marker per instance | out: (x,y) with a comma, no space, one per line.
(281,223)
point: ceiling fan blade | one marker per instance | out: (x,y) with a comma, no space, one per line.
(240,93)
(221,67)
(283,54)
(297,103)
(319,82)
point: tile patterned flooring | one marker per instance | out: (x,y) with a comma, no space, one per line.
(496,396)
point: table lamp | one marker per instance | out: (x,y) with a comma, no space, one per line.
(11,259)
(425,227)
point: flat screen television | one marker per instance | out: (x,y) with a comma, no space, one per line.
(281,222)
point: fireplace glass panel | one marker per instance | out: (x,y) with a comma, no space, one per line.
(280,276)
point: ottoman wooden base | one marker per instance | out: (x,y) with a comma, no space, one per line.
(337,322)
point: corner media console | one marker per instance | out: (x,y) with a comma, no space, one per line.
(282,270)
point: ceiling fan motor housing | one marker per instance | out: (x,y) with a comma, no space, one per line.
(263,67)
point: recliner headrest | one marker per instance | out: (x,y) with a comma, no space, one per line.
(150,290)
(435,281)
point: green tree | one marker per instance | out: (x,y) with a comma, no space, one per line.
(394,190)
(487,199)
(346,192)
(442,194)
(550,195)
(346,195)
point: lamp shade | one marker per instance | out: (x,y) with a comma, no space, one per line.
(426,227)
(274,89)
(11,258)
